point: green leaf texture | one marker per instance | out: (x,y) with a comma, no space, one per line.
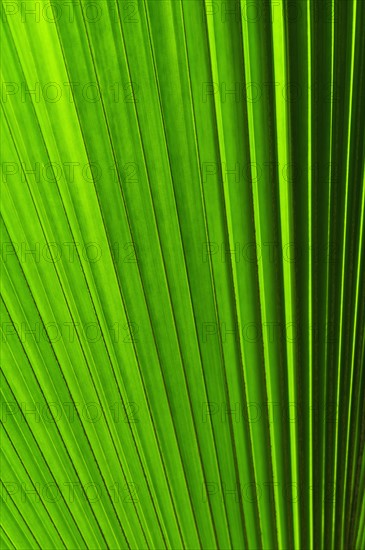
(182,274)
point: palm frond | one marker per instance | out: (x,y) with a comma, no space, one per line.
(182,274)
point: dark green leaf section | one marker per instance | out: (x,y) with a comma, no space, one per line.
(182,274)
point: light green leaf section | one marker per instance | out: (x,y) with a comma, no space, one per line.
(182,274)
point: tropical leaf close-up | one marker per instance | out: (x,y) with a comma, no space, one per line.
(182,275)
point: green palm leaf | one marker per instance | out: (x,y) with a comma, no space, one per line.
(182,274)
